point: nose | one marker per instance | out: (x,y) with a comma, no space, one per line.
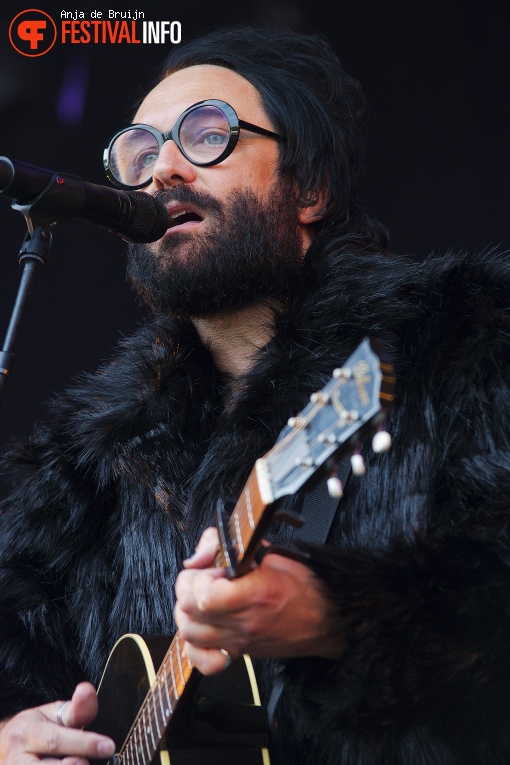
(171,168)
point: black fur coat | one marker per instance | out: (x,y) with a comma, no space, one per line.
(112,495)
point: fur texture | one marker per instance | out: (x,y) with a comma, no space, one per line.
(112,495)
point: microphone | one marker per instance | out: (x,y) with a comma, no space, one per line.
(133,215)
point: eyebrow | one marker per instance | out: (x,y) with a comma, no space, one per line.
(129,132)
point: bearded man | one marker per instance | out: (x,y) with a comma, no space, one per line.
(391,642)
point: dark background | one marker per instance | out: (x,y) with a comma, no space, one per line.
(437,77)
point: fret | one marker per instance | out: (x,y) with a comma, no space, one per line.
(249,510)
(160,682)
(131,753)
(156,716)
(142,720)
(137,744)
(179,664)
(175,664)
(150,730)
(180,650)
(174,684)
(237,525)
(125,758)
(170,708)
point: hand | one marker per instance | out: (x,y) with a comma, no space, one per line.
(276,610)
(34,735)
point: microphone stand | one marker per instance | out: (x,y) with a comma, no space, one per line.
(34,252)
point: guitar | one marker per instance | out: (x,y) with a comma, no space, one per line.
(151,698)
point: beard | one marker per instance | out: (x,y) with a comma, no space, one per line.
(252,252)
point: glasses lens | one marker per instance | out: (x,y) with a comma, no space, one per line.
(204,134)
(132,156)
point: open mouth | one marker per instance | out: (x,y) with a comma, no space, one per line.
(184,216)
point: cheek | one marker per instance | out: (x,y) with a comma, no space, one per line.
(246,168)
(259,179)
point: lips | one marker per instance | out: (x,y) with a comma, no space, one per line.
(180,214)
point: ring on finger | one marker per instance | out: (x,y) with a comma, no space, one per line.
(60,712)
(228,657)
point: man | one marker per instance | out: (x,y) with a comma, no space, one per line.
(392,642)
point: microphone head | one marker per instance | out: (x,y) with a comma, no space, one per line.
(150,220)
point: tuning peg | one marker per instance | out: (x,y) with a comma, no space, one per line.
(381,442)
(329,439)
(305,461)
(335,487)
(358,464)
(319,398)
(342,373)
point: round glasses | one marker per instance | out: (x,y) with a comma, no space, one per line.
(206,134)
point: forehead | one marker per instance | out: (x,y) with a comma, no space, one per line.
(163,105)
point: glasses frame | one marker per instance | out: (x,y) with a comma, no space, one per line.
(234,122)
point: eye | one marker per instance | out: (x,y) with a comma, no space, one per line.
(206,142)
(143,160)
(215,139)
(149,158)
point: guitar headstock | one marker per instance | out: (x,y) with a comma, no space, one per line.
(354,402)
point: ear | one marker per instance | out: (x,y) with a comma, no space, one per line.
(311,209)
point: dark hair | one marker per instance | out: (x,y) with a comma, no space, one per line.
(319,109)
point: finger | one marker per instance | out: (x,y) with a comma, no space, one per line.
(80,710)
(83,707)
(209,661)
(201,635)
(214,596)
(186,585)
(51,738)
(207,595)
(30,734)
(206,551)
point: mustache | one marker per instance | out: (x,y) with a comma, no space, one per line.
(184,194)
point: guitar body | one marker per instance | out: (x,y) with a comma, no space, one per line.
(218,720)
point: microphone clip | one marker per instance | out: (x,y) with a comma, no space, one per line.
(51,206)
